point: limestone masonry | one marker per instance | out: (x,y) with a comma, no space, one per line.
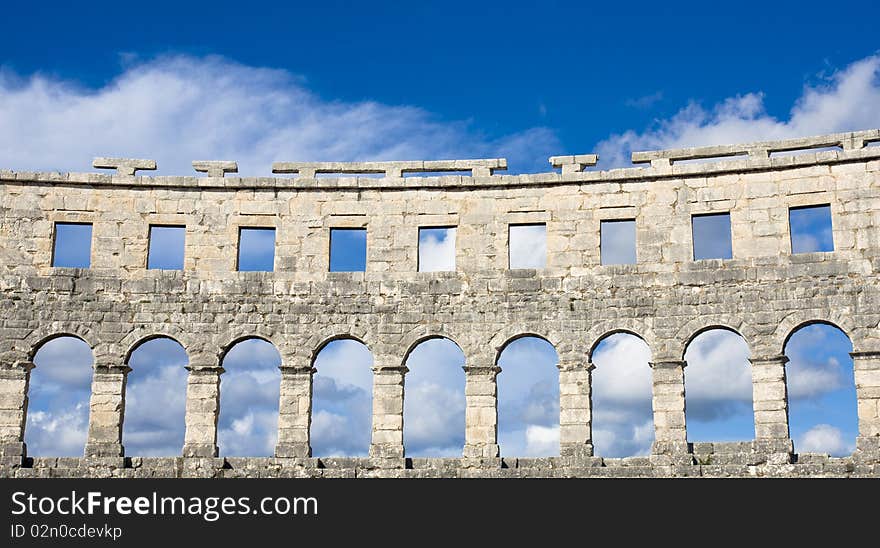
(764,293)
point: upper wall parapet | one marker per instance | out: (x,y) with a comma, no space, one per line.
(664,164)
(758,151)
(478,168)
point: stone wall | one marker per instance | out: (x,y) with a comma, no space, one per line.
(764,293)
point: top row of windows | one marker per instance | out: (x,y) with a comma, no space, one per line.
(810,229)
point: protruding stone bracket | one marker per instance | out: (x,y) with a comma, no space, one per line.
(402,369)
(124,166)
(575,163)
(757,151)
(668,364)
(215,168)
(482,371)
(478,168)
(297,369)
(575,365)
(21,365)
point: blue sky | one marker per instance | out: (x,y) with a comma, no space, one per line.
(178,82)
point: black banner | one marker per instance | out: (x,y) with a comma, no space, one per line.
(129,512)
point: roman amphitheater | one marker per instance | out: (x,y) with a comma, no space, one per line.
(764,292)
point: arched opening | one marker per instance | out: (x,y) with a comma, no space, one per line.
(623,419)
(434,403)
(249,392)
(155,399)
(57,421)
(718,387)
(342,400)
(528,398)
(822,401)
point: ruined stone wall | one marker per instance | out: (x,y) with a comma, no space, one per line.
(764,293)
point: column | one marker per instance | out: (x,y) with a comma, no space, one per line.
(481,413)
(387,439)
(202,410)
(14,381)
(107,411)
(866,366)
(670,431)
(770,402)
(295,412)
(575,409)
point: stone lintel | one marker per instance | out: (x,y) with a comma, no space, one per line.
(781,359)
(760,150)
(215,168)
(395,169)
(124,166)
(575,365)
(668,364)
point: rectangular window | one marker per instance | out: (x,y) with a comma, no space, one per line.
(256,249)
(436,249)
(527,246)
(617,242)
(810,228)
(711,234)
(73,245)
(348,249)
(166,247)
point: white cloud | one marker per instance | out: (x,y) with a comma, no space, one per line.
(58,408)
(528,246)
(809,380)
(59,432)
(342,400)
(718,376)
(542,441)
(249,393)
(155,400)
(252,434)
(847,100)
(434,404)
(437,250)
(179,108)
(824,438)
(65,361)
(528,398)
(623,423)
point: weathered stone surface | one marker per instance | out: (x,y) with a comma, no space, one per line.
(764,292)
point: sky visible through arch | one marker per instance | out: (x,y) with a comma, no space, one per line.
(274,95)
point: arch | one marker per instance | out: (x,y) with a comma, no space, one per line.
(155,397)
(821,389)
(528,397)
(228,339)
(145,339)
(138,336)
(807,323)
(622,395)
(56,420)
(703,327)
(796,320)
(501,340)
(342,400)
(605,334)
(331,339)
(434,403)
(249,397)
(718,385)
(40,337)
(411,342)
